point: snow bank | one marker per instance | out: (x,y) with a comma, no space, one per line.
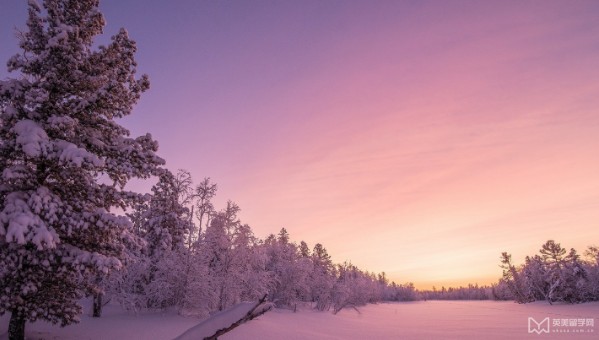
(217,321)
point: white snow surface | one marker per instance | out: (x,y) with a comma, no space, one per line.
(411,320)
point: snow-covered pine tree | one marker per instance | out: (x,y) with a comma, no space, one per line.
(249,261)
(216,253)
(554,261)
(168,224)
(289,270)
(592,268)
(65,161)
(513,279)
(168,221)
(536,277)
(322,278)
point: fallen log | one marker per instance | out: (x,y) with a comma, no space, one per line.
(227,320)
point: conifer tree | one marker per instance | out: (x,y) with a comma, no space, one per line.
(322,277)
(167,220)
(167,225)
(65,162)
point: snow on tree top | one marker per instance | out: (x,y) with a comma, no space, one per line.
(63,33)
(70,153)
(35,4)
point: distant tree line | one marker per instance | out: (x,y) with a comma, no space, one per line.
(470,292)
(554,275)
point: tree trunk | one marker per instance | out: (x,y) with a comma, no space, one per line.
(97,312)
(16,327)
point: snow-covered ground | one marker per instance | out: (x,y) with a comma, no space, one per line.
(422,320)
(414,320)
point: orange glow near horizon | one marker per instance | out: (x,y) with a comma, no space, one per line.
(420,139)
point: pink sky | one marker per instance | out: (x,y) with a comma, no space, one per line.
(412,137)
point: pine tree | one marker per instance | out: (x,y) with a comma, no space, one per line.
(216,252)
(65,162)
(253,281)
(304,250)
(322,277)
(537,279)
(592,269)
(513,279)
(289,270)
(554,261)
(167,226)
(167,220)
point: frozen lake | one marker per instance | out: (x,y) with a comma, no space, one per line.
(413,320)
(427,320)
